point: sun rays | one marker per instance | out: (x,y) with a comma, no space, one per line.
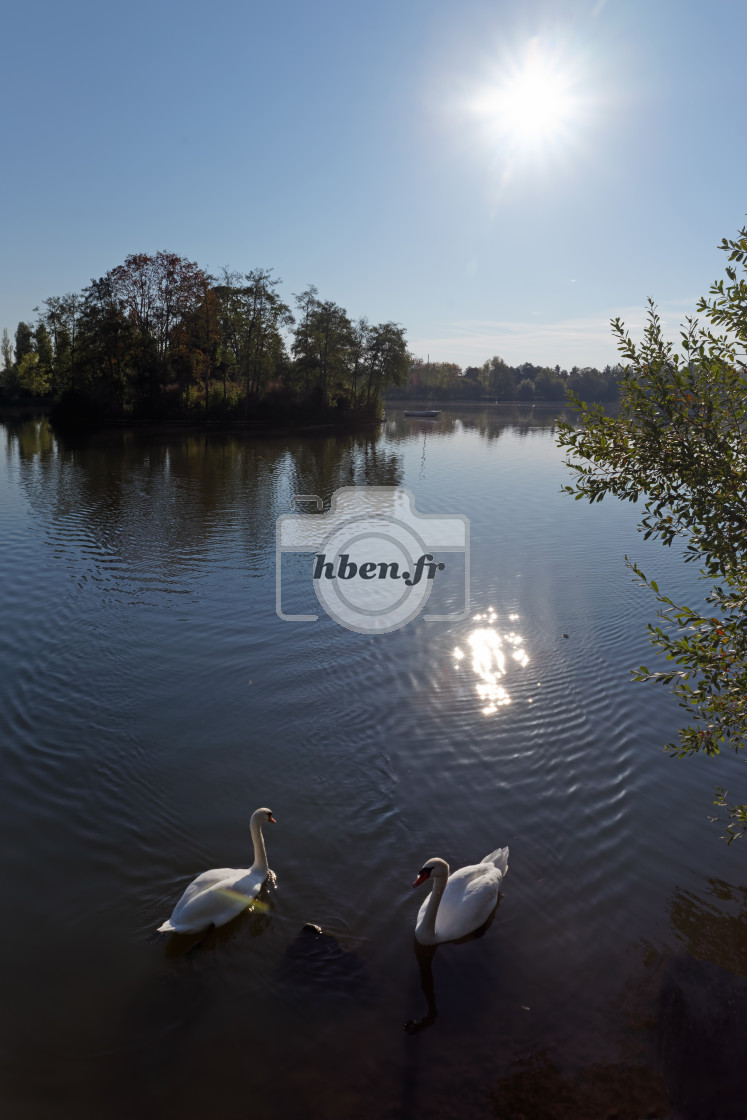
(529,108)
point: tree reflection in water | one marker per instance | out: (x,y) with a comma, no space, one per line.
(684,1049)
(702,1005)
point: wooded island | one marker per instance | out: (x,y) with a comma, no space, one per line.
(157,338)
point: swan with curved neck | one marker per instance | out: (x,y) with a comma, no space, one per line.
(460,903)
(216,896)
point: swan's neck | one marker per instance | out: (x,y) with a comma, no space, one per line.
(428,925)
(260,855)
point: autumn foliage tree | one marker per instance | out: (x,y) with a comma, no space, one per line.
(155,293)
(157,337)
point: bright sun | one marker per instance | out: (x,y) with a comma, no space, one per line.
(532,106)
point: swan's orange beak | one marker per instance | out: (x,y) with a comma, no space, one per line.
(420,879)
(272,820)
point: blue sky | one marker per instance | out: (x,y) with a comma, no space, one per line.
(365,148)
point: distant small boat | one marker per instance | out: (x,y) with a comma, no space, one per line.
(425,413)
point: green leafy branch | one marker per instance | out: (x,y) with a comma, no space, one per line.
(678,445)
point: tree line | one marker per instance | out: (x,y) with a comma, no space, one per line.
(157,337)
(495,380)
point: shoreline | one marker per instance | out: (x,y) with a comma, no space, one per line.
(16,411)
(430,402)
(29,410)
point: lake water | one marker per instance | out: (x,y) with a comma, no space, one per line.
(151,699)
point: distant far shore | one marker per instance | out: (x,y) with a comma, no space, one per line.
(435,405)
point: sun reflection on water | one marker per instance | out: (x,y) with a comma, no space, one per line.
(488,655)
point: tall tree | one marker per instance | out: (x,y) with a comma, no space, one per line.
(498,378)
(45,355)
(32,376)
(203,336)
(107,345)
(302,347)
(61,317)
(156,292)
(358,347)
(8,372)
(331,339)
(388,360)
(24,342)
(252,317)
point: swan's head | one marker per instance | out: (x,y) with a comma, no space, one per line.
(437,868)
(259,816)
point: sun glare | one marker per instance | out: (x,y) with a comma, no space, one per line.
(532,105)
(489,653)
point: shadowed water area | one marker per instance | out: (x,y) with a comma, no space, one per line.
(151,699)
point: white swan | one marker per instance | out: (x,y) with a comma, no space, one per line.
(458,903)
(216,896)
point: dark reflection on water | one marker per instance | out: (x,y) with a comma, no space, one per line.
(712,926)
(150,699)
(702,1004)
(425,955)
(319,966)
(599,1092)
(682,1050)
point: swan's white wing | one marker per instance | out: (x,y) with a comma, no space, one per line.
(468,901)
(499,859)
(205,903)
(250,882)
(207,880)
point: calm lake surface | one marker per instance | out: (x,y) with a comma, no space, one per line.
(151,699)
